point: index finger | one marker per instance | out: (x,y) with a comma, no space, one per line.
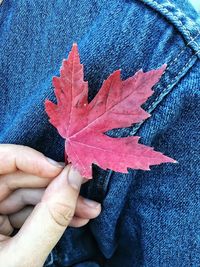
(18,157)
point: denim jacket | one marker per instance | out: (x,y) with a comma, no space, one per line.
(148,218)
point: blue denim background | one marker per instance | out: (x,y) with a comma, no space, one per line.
(149,218)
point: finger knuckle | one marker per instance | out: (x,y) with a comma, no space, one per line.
(61,213)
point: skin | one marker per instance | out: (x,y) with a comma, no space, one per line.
(41,198)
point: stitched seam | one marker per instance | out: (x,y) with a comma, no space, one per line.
(179,54)
(164,9)
(178,20)
(182,51)
(163,92)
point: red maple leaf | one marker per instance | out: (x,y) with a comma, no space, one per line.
(83,125)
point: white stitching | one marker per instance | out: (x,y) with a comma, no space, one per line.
(171,63)
(136,128)
(178,20)
(173,80)
(184,49)
(191,38)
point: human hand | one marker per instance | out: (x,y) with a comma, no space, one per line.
(46,224)
(25,173)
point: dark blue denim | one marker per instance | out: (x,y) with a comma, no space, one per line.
(148,218)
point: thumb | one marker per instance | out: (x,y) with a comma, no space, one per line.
(48,221)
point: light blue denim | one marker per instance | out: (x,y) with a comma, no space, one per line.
(148,218)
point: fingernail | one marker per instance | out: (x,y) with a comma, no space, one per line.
(55,163)
(91,203)
(74,178)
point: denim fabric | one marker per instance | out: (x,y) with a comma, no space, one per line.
(148,218)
